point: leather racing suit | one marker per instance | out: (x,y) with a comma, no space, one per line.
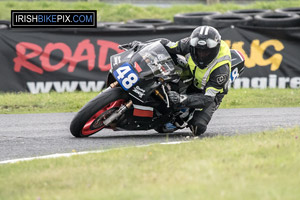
(208,86)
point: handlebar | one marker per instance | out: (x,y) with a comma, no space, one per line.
(124,46)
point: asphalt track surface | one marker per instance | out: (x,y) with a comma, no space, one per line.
(30,135)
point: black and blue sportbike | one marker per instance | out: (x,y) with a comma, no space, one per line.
(136,97)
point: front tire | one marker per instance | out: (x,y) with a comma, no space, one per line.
(90,117)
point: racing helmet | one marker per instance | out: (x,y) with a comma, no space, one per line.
(204,45)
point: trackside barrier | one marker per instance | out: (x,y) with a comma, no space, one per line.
(65,60)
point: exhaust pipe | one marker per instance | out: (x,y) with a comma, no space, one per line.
(118,113)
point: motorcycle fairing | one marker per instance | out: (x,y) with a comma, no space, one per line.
(141,117)
(142,111)
(237,64)
(126,76)
(140,69)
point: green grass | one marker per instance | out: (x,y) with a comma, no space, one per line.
(125,12)
(43,103)
(251,166)
(258,98)
(11,103)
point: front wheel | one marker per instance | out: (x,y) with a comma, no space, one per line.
(89,119)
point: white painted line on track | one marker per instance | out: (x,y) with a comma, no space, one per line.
(59,155)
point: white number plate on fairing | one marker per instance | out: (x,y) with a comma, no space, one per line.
(126,76)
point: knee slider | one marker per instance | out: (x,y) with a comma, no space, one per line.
(198,129)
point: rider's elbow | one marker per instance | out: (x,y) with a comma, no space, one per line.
(199,101)
(208,100)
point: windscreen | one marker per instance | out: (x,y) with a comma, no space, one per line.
(154,59)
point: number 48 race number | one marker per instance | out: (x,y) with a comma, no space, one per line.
(126,76)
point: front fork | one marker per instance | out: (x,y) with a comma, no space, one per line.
(120,111)
(112,85)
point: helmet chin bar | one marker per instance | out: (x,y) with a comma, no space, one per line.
(201,65)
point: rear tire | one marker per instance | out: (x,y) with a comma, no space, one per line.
(89,119)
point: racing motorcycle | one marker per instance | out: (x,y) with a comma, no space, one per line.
(136,98)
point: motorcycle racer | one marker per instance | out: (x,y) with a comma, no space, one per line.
(158,83)
(208,61)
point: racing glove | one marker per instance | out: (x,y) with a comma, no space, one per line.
(177,98)
(192,101)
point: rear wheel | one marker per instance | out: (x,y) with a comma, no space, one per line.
(89,119)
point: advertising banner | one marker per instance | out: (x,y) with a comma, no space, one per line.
(271,56)
(65,60)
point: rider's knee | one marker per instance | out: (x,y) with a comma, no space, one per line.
(198,129)
(198,124)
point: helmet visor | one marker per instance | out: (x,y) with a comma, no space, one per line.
(202,54)
(211,43)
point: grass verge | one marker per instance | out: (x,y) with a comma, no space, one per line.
(251,166)
(260,98)
(13,103)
